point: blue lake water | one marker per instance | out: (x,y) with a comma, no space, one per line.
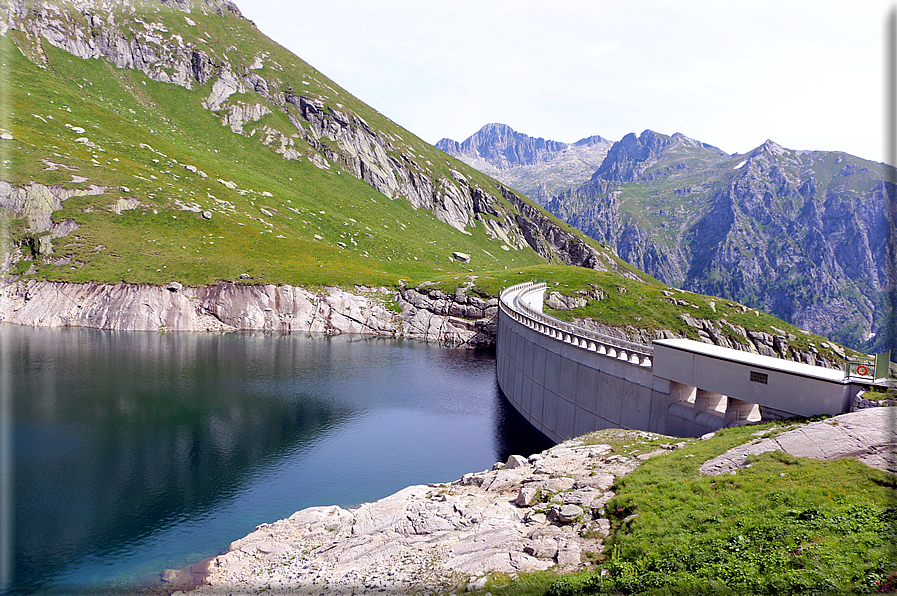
(123,454)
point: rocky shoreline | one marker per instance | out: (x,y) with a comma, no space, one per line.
(541,512)
(526,514)
(426,314)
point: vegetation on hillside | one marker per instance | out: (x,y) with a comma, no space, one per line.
(784,525)
(280,221)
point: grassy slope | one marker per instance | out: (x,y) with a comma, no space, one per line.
(647,306)
(785,525)
(122,109)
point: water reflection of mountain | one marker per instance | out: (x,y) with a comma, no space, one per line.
(178,423)
(138,451)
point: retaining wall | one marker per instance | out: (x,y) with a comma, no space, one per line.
(567,381)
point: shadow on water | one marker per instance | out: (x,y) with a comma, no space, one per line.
(514,435)
(132,452)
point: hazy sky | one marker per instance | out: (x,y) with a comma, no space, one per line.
(806,74)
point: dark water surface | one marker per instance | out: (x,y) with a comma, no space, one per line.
(122,454)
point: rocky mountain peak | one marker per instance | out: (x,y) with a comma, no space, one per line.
(537,167)
(687,141)
(630,156)
(502,147)
(769,147)
(767,156)
(592,141)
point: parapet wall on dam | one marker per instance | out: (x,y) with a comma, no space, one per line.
(567,381)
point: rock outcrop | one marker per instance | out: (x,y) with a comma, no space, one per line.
(551,241)
(36,203)
(531,513)
(459,319)
(545,511)
(869,435)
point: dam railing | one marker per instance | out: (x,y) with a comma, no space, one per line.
(512,302)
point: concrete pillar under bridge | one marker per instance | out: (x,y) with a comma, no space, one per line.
(697,411)
(568,381)
(741,412)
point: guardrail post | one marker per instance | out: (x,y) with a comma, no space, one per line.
(631,352)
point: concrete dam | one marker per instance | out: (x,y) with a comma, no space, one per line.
(567,381)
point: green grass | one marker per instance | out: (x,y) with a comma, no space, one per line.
(881,394)
(646,305)
(147,131)
(785,525)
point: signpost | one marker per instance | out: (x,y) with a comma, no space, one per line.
(882,365)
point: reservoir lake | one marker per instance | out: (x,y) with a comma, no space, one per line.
(123,454)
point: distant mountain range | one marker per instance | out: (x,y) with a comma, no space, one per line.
(536,167)
(805,235)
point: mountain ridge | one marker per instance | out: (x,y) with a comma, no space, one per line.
(144,57)
(801,234)
(536,167)
(806,235)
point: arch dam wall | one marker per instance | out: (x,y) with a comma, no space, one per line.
(567,381)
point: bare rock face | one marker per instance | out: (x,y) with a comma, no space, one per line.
(805,235)
(437,316)
(458,320)
(870,435)
(37,202)
(537,167)
(440,537)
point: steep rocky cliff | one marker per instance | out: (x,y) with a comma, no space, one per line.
(458,319)
(536,167)
(805,235)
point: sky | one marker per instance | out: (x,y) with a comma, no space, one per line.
(806,74)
